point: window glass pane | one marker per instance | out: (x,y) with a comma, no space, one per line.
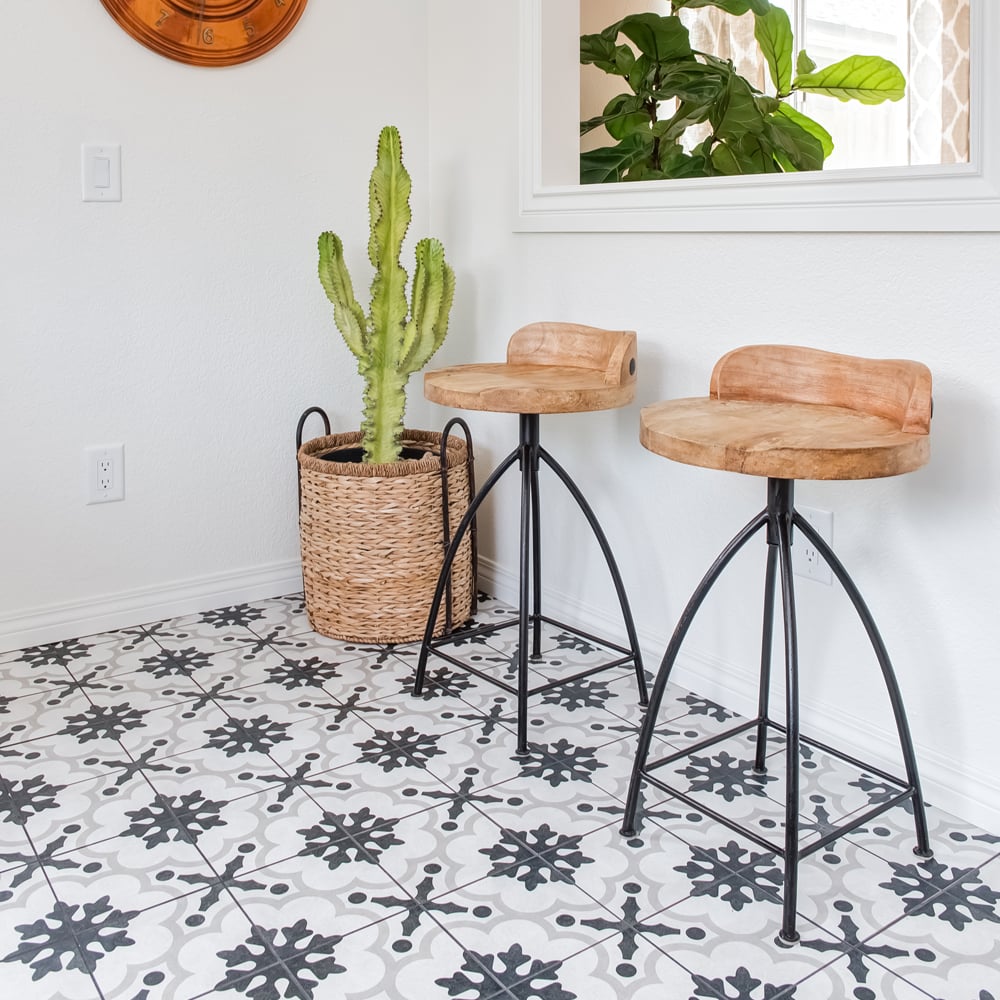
(864,135)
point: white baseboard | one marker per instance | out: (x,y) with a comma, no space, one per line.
(950,784)
(37,626)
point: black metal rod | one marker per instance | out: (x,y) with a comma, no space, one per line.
(780,506)
(580,634)
(561,681)
(766,642)
(445,514)
(609,558)
(923,848)
(529,458)
(693,748)
(667,665)
(760,839)
(536,550)
(449,558)
(298,441)
(847,758)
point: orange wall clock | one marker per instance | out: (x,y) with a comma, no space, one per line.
(207,32)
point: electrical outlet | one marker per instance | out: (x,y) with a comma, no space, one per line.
(104,469)
(806,560)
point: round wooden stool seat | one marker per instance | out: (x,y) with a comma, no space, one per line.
(781,440)
(502,388)
(550,368)
(799,413)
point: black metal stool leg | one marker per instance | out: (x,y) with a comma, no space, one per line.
(766,642)
(609,558)
(667,665)
(536,554)
(463,526)
(780,492)
(529,519)
(923,848)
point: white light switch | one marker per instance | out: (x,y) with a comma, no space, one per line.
(102,173)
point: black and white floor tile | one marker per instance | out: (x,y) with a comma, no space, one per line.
(228,804)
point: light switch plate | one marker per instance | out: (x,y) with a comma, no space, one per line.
(101,172)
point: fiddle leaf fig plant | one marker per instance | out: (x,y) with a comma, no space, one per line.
(749,132)
(396,338)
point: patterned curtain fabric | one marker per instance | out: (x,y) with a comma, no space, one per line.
(939,81)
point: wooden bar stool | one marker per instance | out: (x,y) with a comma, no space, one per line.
(791,413)
(550,368)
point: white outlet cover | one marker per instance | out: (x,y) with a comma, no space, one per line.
(805,559)
(93,459)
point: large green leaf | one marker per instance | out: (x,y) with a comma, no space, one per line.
(868,79)
(773,32)
(737,113)
(600,51)
(662,38)
(749,154)
(810,125)
(621,114)
(610,163)
(802,150)
(690,81)
(625,114)
(803,64)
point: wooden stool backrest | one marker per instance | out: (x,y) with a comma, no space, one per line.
(569,345)
(897,390)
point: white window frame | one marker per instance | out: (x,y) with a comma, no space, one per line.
(963,197)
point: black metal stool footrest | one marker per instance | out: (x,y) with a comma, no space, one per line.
(905,790)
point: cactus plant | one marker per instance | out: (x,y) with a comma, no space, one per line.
(389,344)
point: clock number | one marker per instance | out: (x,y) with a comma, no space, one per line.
(164,14)
(249,28)
(208,36)
(279,3)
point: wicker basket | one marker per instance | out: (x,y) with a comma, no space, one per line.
(372,539)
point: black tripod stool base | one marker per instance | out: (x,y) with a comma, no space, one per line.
(530,456)
(778,520)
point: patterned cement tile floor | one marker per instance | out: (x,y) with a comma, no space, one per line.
(230,805)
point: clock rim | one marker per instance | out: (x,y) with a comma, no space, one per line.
(143,32)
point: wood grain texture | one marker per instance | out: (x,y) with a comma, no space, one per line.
(799,413)
(895,389)
(780,440)
(550,368)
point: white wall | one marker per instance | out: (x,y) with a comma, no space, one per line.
(923,548)
(187,321)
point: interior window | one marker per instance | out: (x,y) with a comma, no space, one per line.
(927,39)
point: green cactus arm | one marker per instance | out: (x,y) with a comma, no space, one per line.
(389,211)
(336,282)
(433,292)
